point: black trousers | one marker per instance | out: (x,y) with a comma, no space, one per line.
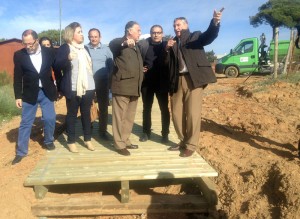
(102,92)
(163,99)
(84,103)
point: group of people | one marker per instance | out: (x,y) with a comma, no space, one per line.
(129,67)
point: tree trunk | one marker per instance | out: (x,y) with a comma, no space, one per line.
(289,55)
(276,52)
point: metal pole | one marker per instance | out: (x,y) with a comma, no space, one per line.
(59,22)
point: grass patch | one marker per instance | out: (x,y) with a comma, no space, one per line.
(263,85)
(8,107)
(5,78)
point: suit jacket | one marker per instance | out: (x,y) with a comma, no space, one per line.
(26,77)
(128,73)
(192,47)
(157,75)
(63,70)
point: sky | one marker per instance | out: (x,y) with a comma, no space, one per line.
(110,16)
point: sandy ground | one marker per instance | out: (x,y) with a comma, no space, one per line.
(249,135)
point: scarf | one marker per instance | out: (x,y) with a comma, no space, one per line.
(84,67)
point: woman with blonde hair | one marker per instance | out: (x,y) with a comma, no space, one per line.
(74,76)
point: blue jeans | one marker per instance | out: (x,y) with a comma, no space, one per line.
(28,116)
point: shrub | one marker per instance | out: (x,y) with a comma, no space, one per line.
(8,107)
(5,78)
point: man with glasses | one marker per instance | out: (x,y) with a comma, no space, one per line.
(155,82)
(33,86)
(190,72)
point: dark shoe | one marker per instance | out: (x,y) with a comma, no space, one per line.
(124,152)
(165,139)
(186,153)
(103,136)
(132,146)
(49,147)
(17,159)
(145,137)
(179,147)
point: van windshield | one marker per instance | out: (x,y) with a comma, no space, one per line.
(245,47)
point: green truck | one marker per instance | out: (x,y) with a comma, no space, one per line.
(252,56)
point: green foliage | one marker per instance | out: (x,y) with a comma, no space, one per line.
(2,39)
(211,56)
(277,13)
(168,36)
(5,78)
(292,78)
(8,107)
(53,35)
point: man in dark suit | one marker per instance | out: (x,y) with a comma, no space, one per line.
(33,86)
(190,72)
(155,82)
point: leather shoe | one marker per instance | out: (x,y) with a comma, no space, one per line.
(49,147)
(103,136)
(145,137)
(73,148)
(186,153)
(132,146)
(17,159)
(123,152)
(165,139)
(176,148)
(89,145)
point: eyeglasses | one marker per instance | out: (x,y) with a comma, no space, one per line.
(156,33)
(29,44)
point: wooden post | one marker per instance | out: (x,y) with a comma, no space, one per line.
(40,191)
(208,189)
(124,191)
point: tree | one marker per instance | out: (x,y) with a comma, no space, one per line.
(277,13)
(168,36)
(53,35)
(211,56)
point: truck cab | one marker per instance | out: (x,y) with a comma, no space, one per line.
(242,59)
(251,56)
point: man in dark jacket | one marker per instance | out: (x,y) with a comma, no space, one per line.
(33,86)
(155,81)
(126,84)
(190,72)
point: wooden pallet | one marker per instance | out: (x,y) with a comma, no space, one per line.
(151,162)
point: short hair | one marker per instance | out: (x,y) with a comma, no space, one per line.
(156,25)
(30,32)
(70,30)
(181,19)
(45,38)
(94,29)
(129,25)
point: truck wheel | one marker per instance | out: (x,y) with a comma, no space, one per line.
(231,72)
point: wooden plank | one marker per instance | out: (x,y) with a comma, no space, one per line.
(93,177)
(57,169)
(110,205)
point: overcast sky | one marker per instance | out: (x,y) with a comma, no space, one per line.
(111,16)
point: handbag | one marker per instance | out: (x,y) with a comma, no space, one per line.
(94,111)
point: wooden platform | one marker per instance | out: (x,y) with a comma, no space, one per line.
(152,161)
